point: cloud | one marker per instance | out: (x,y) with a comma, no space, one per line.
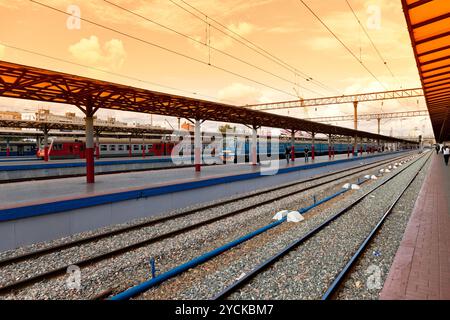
(2,51)
(110,56)
(222,42)
(240,94)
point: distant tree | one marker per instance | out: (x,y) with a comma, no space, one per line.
(226,127)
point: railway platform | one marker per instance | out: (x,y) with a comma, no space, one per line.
(421,267)
(31,168)
(58,208)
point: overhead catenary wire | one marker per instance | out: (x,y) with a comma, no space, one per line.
(342,43)
(206,43)
(105,71)
(372,42)
(383,60)
(164,48)
(251,45)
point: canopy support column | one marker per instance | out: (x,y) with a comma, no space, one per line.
(129,147)
(7,148)
(254,146)
(197,145)
(143,146)
(313,140)
(329,147)
(349,141)
(45,144)
(361,146)
(293,145)
(38,144)
(89,120)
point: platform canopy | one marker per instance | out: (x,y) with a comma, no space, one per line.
(429,28)
(25,82)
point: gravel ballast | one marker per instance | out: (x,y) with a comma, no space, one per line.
(130,268)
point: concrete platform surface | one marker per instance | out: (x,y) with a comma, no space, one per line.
(36,192)
(421,267)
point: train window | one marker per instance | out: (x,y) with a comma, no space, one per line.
(135,147)
(57,147)
(150,146)
(143,147)
(112,147)
(3,149)
(128,147)
(103,147)
(121,147)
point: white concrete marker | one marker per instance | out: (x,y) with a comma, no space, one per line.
(346,186)
(280,215)
(373,177)
(355,187)
(294,216)
(381,170)
(387,170)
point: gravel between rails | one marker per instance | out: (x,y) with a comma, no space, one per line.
(306,272)
(115,273)
(379,255)
(209,278)
(47,244)
(26,268)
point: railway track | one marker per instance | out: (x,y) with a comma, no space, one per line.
(334,286)
(21,283)
(340,277)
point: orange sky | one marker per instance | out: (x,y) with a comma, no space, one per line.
(282,27)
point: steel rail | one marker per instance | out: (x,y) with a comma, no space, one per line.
(339,278)
(261,267)
(40,252)
(146,285)
(124,249)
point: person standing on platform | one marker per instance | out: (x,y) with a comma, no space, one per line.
(287,153)
(446,154)
(306,151)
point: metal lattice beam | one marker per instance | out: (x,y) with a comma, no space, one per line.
(373,116)
(364,97)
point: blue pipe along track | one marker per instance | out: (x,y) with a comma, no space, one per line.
(144,286)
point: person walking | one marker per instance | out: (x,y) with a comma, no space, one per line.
(287,153)
(446,154)
(437,149)
(306,151)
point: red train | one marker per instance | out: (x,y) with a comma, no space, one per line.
(76,148)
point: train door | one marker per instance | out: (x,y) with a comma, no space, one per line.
(20,150)
(76,150)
